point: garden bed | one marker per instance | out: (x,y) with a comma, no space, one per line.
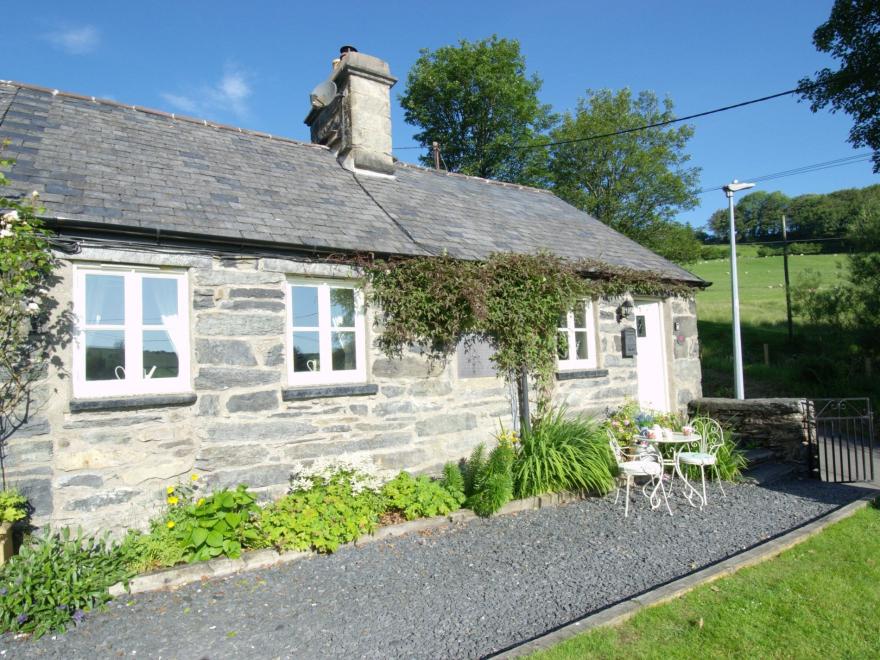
(469,591)
(178,576)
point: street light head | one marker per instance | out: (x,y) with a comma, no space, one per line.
(736,186)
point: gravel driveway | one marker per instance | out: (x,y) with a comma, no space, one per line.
(461,592)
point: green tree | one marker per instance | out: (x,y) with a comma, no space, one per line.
(635,182)
(478,102)
(851,35)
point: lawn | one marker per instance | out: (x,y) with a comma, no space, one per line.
(820,361)
(818,600)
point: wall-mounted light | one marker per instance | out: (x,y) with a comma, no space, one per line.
(626,311)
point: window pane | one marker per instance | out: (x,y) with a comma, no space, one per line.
(160,300)
(344,354)
(306,351)
(105,299)
(160,358)
(305,306)
(562,345)
(580,314)
(105,355)
(342,308)
(640,326)
(582,348)
(563,320)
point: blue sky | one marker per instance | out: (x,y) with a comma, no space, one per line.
(253,65)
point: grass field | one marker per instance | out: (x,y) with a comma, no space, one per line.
(818,600)
(820,361)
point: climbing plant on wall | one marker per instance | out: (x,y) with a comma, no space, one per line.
(512,300)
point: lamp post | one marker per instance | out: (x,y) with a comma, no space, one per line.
(729,190)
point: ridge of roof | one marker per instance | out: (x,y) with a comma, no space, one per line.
(505,184)
(161,113)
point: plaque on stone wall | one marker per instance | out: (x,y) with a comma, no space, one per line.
(628,339)
(474,359)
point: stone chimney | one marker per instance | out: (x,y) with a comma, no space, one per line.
(351,112)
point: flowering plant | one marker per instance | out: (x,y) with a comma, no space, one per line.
(29,330)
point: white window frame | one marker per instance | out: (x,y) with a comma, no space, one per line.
(178,329)
(326,375)
(572,324)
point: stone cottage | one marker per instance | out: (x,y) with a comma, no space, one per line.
(219,330)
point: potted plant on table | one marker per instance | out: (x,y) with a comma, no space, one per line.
(13,507)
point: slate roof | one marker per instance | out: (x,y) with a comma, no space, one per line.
(116,165)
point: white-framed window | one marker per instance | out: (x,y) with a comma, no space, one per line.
(326,335)
(576,338)
(132,331)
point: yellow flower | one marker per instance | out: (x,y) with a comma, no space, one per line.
(169,490)
(201,501)
(172,500)
(195,477)
(170,524)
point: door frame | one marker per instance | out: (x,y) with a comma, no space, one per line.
(665,348)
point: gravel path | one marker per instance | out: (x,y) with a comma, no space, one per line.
(463,592)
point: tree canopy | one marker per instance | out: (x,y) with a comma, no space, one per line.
(851,35)
(759,214)
(477,100)
(636,182)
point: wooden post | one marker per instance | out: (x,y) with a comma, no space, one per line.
(767,355)
(525,417)
(436,147)
(787,286)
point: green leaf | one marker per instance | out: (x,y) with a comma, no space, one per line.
(198,536)
(214,539)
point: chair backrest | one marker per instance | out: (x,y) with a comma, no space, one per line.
(711,434)
(616,449)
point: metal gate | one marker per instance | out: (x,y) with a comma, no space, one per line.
(841,439)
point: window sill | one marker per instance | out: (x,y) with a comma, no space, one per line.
(304,393)
(134,402)
(580,374)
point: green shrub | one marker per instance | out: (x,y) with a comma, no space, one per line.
(13,506)
(147,552)
(216,525)
(712,252)
(56,579)
(453,481)
(768,251)
(489,479)
(331,511)
(419,497)
(563,453)
(805,248)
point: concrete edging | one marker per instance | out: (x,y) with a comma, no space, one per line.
(624,610)
(178,576)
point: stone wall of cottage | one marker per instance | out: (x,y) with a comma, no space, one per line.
(108,469)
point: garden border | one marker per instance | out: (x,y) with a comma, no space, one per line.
(626,609)
(178,576)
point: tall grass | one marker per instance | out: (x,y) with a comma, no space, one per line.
(563,453)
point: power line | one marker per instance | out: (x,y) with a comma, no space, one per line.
(804,169)
(660,124)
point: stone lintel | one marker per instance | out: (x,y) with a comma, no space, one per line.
(132,402)
(303,393)
(581,374)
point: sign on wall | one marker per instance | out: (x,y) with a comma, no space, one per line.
(474,359)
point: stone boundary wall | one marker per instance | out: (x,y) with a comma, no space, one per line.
(108,469)
(775,424)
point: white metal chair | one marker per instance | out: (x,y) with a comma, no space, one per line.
(647,463)
(706,456)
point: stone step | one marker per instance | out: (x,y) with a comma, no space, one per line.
(759,455)
(767,473)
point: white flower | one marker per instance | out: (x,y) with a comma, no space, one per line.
(4,233)
(11,216)
(35,194)
(32,307)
